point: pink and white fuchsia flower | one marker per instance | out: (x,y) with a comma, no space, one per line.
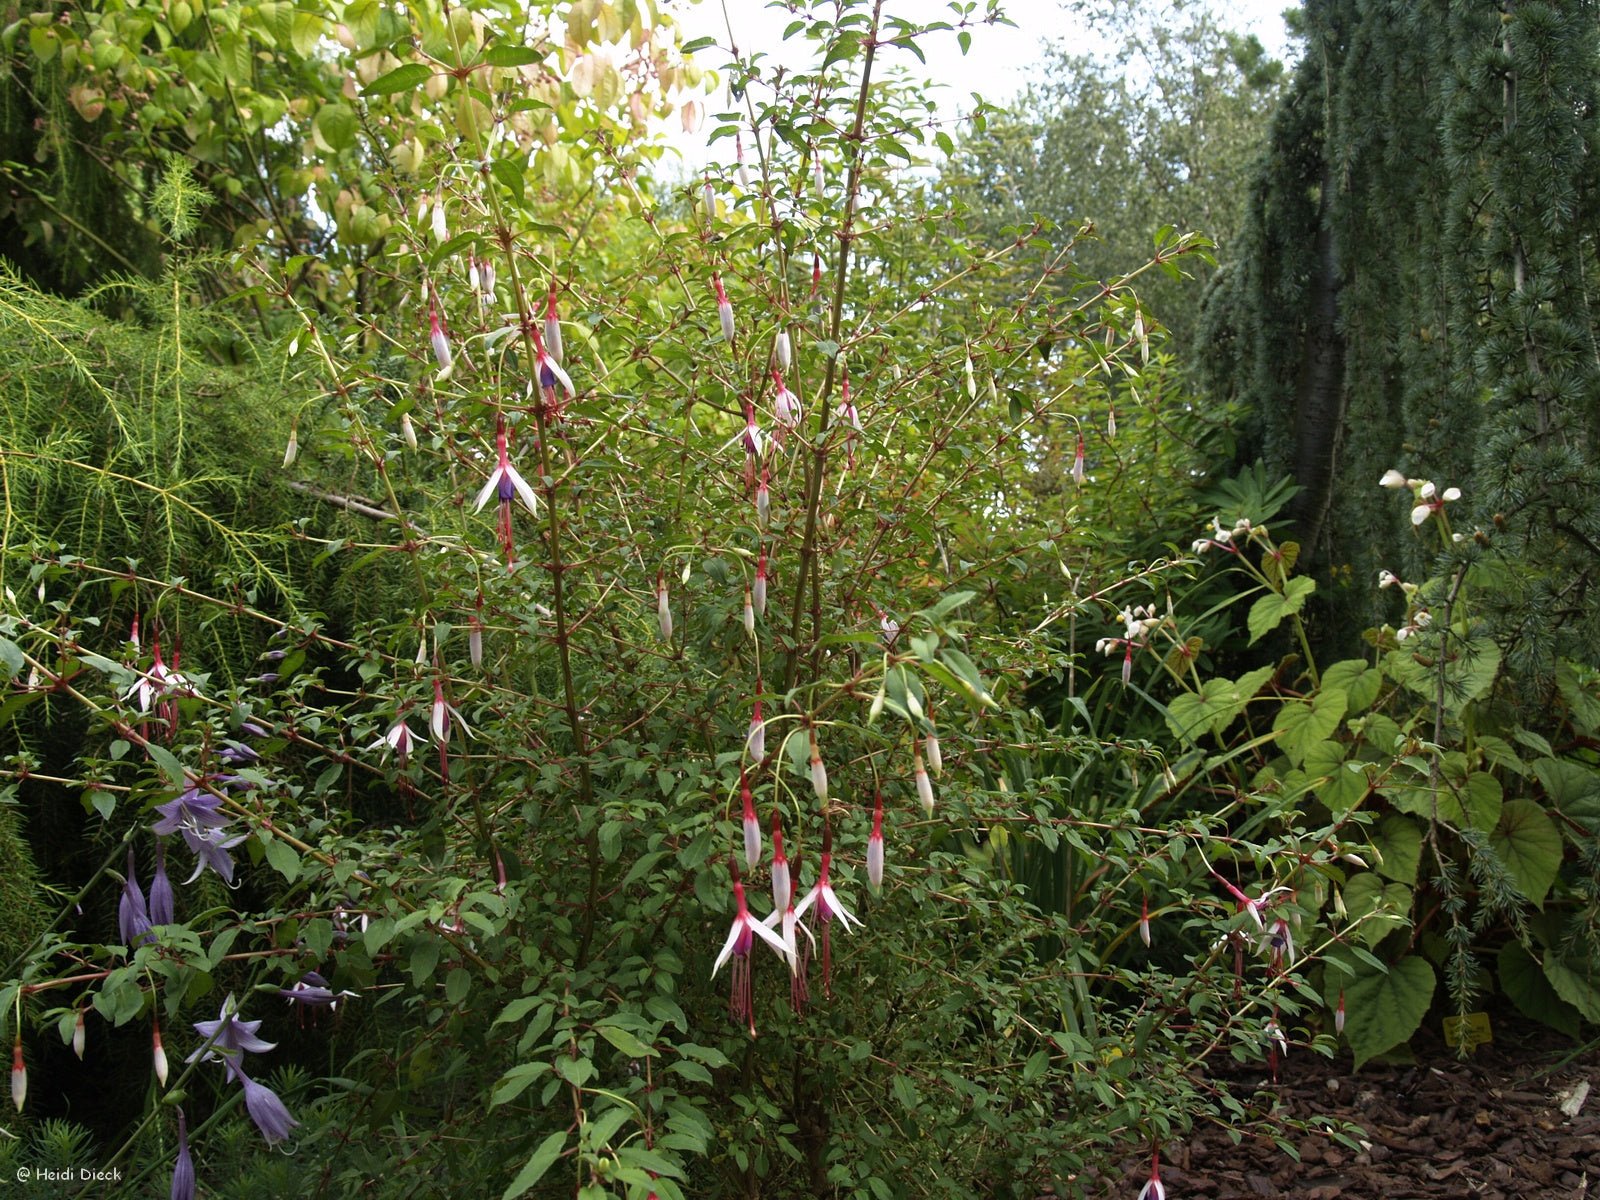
(758,591)
(552,325)
(663,607)
(741,940)
(507,483)
(828,907)
(785,409)
(755,738)
(400,739)
(819,773)
(439,725)
(724,308)
(442,353)
(752,823)
(1153,1189)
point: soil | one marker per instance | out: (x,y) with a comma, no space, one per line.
(1491,1126)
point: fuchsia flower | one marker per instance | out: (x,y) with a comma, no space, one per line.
(875,845)
(1153,1189)
(663,607)
(19,1073)
(819,773)
(724,309)
(799,960)
(763,502)
(552,325)
(782,351)
(930,743)
(782,885)
(550,372)
(442,353)
(759,591)
(752,823)
(506,482)
(1144,922)
(755,738)
(785,409)
(1077,463)
(738,151)
(828,907)
(1338,1014)
(400,739)
(924,785)
(749,613)
(850,420)
(1278,941)
(439,725)
(741,939)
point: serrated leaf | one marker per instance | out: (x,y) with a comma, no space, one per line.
(1527,841)
(1301,724)
(1383,1010)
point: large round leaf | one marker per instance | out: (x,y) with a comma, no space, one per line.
(1383,1010)
(1528,843)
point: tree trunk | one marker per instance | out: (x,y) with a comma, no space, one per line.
(1319,400)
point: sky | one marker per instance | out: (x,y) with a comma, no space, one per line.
(1000,63)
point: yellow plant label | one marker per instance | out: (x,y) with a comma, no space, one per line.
(1469,1031)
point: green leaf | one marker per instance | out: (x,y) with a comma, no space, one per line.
(170,766)
(282,856)
(1527,841)
(1216,705)
(1379,907)
(1483,799)
(402,79)
(335,126)
(1524,982)
(1360,682)
(1383,1010)
(1301,724)
(1399,844)
(11,658)
(505,55)
(1267,613)
(626,1042)
(533,1170)
(1579,987)
(1573,789)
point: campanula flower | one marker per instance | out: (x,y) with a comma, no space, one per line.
(266,1110)
(195,815)
(228,1040)
(133,917)
(161,898)
(183,1168)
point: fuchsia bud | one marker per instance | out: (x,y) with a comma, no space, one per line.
(744,174)
(931,745)
(441,342)
(760,590)
(1111,422)
(819,773)
(1338,1014)
(475,635)
(663,608)
(441,227)
(752,824)
(782,351)
(19,1073)
(1077,463)
(78,1036)
(1144,922)
(875,844)
(724,309)
(817,181)
(552,325)
(749,614)
(815,298)
(924,787)
(710,198)
(763,502)
(755,740)
(782,888)
(158,1055)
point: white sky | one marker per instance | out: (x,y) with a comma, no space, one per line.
(1000,63)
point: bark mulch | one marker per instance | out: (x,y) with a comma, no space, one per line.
(1491,1126)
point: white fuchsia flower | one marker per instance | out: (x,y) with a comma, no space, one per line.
(740,941)
(508,484)
(399,738)
(828,907)
(552,326)
(439,724)
(786,413)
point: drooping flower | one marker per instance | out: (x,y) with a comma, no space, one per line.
(550,372)
(1111,423)
(552,325)
(195,815)
(784,916)
(507,483)
(1338,1014)
(400,739)
(1144,922)
(1153,1189)
(782,350)
(161,899)
(755,739)
(724,309)
(741,939)
(763,502)
(292,450)
(924,785)
(439,725)
(1278,941)
(785,409)
(752,823)
(782,884)
(663,607)
(738,151)
(817,181)
(475,635)
(133,917)
(930,743)
(183,1168)
(850,421)
(749,613)
(708,198)
(819,773)
(158,1053)
(311,990)
(758,590)
(79,1036)
(439,340)
(19,1073)
(828,907)
(1077,463)
(269,1113)
(875,845)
